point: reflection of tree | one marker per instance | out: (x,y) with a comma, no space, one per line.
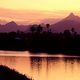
(36,64)
(70,62)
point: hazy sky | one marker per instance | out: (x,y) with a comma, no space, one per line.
(49,5)
(37,9)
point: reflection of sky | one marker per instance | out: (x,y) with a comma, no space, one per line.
(43,67)
(55,68)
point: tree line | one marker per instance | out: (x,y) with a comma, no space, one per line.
(39,40)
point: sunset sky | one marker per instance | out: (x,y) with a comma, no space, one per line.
(34,10)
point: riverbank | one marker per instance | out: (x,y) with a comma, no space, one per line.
(9,74)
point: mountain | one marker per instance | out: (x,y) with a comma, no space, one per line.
(71,21)
(12,23)
(9,27)
(13,27)
(73,17)
(50,20)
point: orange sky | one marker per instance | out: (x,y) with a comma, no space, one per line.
(41,4)
(34,10)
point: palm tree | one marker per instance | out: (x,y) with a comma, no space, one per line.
(48,27)
(73,30)
(39,28)
(32,28)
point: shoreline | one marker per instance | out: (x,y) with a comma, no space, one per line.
(27,53)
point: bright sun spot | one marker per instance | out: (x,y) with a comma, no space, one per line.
(60,55)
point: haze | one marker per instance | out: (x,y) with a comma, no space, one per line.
(36,10)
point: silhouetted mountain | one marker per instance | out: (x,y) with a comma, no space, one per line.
(50,21)
(69,22)
(73,17)
(9,27)
(12,23)
(13,27)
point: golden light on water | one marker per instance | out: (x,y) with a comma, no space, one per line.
(60,55)
(43,67)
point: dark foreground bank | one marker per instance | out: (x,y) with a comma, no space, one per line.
(9,74)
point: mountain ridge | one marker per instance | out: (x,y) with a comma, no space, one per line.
(71,21)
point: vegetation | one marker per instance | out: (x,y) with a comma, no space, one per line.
(9,74)
(39,40)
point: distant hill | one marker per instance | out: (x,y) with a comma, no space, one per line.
(71,21)
(13,27)
(9,27)
(50,20)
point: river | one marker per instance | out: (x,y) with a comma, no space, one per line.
(42,66)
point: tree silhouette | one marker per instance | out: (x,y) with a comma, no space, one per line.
(48,27)
(73,31)
(32,28)
(39,28)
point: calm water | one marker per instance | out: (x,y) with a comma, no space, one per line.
(43,67)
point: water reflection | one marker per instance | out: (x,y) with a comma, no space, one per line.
(55,68)
(45,68)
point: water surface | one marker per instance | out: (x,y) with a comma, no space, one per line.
(43,67)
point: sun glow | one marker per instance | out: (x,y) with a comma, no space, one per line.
(41,4)
(60,55)
(36,10)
